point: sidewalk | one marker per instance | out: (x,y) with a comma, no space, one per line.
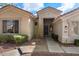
(55,47)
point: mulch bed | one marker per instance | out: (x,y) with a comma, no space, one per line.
(6,47)
(9,46)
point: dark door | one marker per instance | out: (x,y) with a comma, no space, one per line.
(46,29)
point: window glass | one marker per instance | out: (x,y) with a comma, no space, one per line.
(10,26)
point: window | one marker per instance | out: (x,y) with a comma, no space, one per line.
(10,26)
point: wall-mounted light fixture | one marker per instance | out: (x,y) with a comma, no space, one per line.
(65,26)
(29,20)
(36,23)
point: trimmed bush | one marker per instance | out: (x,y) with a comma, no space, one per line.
(3,38)
(10,39)
(19,39)
(76,42)
(16,38)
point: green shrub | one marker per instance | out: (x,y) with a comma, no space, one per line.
(10,39)
(3,38)
(20,39)
(16,38)
(76,42)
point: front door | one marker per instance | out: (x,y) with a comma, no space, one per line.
(46,30)
(47,25)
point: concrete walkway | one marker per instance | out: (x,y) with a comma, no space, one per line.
(55,47)
(72,50)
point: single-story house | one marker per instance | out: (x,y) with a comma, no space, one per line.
(16,20)
(48,20)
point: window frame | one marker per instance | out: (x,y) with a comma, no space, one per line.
(4,22)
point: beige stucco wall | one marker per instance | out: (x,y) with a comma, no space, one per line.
(64,31)
(25,20)
(58,29)
(46,13)
(36,29)
(69,36)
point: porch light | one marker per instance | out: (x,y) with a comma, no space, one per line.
(65,27)
(29,20)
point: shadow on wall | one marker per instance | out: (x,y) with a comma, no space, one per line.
(55,36)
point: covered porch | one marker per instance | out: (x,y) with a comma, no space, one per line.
(45,18)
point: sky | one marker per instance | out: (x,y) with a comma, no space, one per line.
(34,7)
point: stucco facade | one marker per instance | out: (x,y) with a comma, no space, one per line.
(70,26)
(58,29)
(67,27)
(48,20)
(26,25)
(48,13)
